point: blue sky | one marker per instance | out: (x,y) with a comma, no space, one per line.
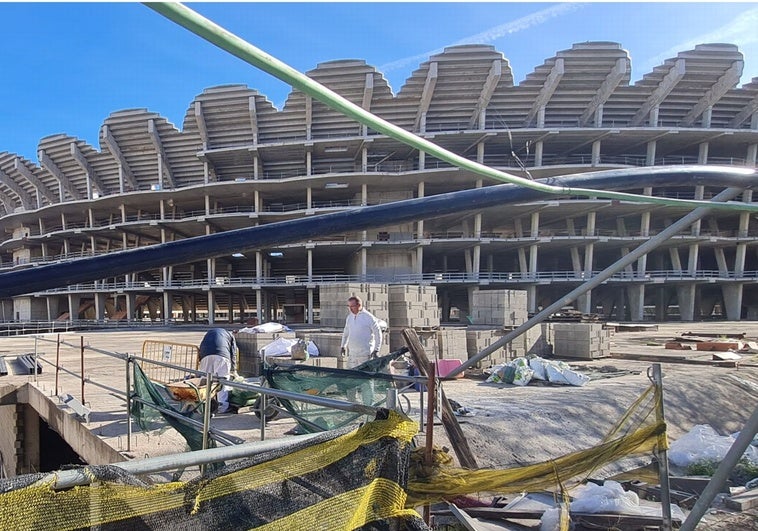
(67,66)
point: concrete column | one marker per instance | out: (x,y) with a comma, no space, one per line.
(309,317)
(419,260)
(168,306)
(522,263)
(752,154)
(309,197)
(308,163)
(420,223)
(73,306)
(364,261)
(258,267)
(309,265)
(686,299)
(131,303)
(531,299)
(364,159)
(256,166)
(211,307)
(706,118)
(702,156)
(636,295)
(541,117)
(595,153)
(421,160)
(99,306)
(732,301)
(538,147)
(476,261)
(599,116)
(259,305)
(53,304)
(650,157)
(654,116)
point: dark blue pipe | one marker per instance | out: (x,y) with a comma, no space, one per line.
(51,276)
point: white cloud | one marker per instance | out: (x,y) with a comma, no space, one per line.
(490,35)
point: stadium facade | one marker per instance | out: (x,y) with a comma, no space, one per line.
(238,162)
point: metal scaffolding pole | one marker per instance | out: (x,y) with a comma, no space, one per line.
(64,479)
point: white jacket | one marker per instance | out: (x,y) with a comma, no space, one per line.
(361,336)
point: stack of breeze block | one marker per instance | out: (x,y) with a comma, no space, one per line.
(333,302)
(581,340)
(494,313)
(414,307)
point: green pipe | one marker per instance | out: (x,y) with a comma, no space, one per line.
(237,46)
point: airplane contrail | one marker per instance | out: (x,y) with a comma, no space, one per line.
(491,34)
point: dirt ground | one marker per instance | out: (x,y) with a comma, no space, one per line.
(514,425)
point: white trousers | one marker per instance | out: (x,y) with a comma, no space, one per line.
(221,367)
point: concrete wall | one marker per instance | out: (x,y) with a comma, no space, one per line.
(29,309)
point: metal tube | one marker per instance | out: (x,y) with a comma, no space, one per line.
(262,405)
(64,479)
(128,404)
(57,362)
(429,442)
(35,361)
(81,339)
(207,409)
(732,457)
(661,454)
(225,243)
(601,277)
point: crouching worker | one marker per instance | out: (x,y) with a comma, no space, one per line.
(218,356)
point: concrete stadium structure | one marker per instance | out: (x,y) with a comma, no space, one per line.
(238,161)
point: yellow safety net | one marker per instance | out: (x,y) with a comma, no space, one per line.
(367,478)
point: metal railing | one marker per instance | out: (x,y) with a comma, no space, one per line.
(502,277)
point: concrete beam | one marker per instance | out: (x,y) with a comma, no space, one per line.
(252,110)
(63,183)
(24,198)
(308,117)
(426,96)
(368,92)
(745,113)
(42,189)
(667,84)
(546,92)
(8,203)
(155,138)
(92,176)
(486,94)
(729,80)
(110,141)
(612,80)
(201,127)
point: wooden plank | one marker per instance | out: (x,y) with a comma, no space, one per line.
(743,501)
(669,358)
(597,520)
(452,428)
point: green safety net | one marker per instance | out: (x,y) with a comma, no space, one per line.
(366,384)
(149,418)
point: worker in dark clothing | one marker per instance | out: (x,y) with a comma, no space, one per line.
(218,356)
